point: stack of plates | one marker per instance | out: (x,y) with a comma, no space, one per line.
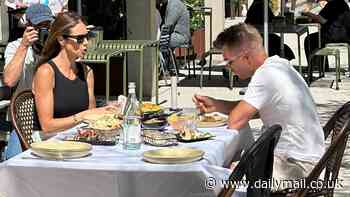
(61,149)
(173,155)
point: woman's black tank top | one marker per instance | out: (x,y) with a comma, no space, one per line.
(70,96)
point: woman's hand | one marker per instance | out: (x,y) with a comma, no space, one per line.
(205,104)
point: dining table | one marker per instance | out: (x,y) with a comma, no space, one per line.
(113,171)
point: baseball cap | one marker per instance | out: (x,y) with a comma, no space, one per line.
(38,13)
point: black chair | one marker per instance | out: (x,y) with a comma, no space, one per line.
(256,164)
(167,58)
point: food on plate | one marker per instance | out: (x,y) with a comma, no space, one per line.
(210,118)
(153,121)
(105,122)
(87,134)
(148,107)
(193,134)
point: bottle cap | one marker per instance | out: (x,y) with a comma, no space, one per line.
(132,85)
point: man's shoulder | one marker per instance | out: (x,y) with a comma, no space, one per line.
(273,69)
(13,45)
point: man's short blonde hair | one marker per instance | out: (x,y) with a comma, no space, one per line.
(240,36)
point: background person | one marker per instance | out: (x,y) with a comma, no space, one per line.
(255,16)
(326,17)
(175,14)
(22,54)
(21,57)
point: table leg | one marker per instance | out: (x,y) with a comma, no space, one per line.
(125,81)
(299,57)
(201,77)
(156,91)
(210,61)
(107,78)
(141,76)
(349,59)
(337,70)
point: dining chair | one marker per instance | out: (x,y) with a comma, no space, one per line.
(256,164)
(338,127)
(23,116)
(167,58)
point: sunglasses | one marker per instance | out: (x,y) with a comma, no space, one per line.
(79,39)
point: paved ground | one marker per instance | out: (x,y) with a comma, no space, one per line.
(326,99)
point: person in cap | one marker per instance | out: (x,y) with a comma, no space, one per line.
(22,55)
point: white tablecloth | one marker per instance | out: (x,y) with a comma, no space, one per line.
(111,171)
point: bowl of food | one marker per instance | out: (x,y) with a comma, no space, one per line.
(155,123)
(150,108)
(105,125)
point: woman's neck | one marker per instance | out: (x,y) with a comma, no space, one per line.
(64,60)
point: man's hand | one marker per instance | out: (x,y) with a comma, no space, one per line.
(30,35)
(205,104)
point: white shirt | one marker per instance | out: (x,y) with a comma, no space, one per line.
(282,97)
(26,78)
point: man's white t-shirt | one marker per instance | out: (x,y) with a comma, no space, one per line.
(282,97)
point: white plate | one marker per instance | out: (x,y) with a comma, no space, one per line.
(54,149)
(222,120)
(173,155)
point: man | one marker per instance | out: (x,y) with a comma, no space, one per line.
(21,57)
(278,94)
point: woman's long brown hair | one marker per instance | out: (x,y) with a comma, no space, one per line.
(62,25)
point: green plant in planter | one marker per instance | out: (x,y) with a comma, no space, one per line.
(197,20)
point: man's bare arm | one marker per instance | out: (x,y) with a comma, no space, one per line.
(241,114)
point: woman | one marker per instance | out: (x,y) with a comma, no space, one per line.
(328,15)
(64,89)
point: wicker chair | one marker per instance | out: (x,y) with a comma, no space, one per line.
(339,126)
(256,164)
(23,114)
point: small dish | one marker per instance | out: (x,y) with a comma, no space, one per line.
(200,137)
(155,123)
